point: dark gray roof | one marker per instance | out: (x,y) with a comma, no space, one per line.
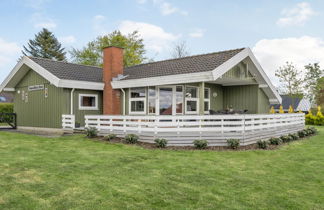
(70,71)
(287,101)
(190,64)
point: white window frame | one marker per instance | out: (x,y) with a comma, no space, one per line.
(86,107)
(191,99)
(130,99)
(207,100)
(154,97)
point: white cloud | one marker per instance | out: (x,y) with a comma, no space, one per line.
(197,33)
(273,53)
(67,39)
(165,7)
(297,15)
(9,53)
(155,38)
(99,24)
(41,21)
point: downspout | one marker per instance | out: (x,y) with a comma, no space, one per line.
(72,91)
(123,100)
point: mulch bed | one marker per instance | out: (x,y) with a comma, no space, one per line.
(210,148)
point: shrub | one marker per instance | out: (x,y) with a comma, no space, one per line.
(294,136)
(262,144)
(91,132)
(286,139)
(161,143)
(233,143)
(6,108)
(200,144)
(302,134)
(312,130)
(275,141)
(131,138)
(110,136)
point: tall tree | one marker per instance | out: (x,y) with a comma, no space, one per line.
(91,54)
(312,75)
(319,92)
(180,50)
(45,45)
(292,83)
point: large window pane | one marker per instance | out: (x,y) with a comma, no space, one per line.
(151,106)
(206,93)
(165,101)
(151,92)
(192,106)
(137,92)
(88,101)
(191,92)
(137,106)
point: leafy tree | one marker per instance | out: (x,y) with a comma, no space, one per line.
(312,75)
(180,50)
(292,83)
(45,45)
(91,54)
(319,92)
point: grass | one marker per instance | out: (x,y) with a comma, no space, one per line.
(77,173)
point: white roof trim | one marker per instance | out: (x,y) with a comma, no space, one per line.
(50,77)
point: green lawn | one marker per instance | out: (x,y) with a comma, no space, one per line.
(77,173)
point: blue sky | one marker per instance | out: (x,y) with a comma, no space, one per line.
(276,31)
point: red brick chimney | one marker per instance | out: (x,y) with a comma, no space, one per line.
(112,66)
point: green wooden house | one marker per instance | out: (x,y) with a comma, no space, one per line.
(44,89)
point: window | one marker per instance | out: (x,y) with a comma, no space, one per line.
(179,99)
(191,100)
(151,100)
(88,102)
(137,100)
(206,100)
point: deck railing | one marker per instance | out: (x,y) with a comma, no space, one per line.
(216,129)
(68,122)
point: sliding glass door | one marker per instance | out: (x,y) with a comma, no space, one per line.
(165,101)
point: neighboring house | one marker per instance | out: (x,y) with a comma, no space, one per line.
(302,104)
(6,97)
(45,89)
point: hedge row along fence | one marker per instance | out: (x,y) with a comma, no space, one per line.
(317,119)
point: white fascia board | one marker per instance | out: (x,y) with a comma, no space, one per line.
(11,74)
(81,84)
(9,89)
(274,101)
(263,86)
(164,80)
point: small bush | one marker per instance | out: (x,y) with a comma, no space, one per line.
(262,144)
(6,108)
(233,143)
(91,132)
(294,136)
(131,138)
(200,144)
(302,134)
(161,143)
(312,130)
(275,141)
(307,132)
(110,137)
(286,139)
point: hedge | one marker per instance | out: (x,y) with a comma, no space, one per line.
(6,108)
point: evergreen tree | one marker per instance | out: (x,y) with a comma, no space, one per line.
(45,45)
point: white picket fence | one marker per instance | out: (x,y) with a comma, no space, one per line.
(216,129)
(68,122)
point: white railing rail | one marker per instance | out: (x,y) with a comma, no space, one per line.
(68,122)
(182,130)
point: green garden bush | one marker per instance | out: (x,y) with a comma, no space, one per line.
(262,144)
(161,143)
(302,133)
(6,108)
(294,136)
(110,137)
(91,132)
(275,141)
(131,138)
(200,144)
(233,143)
(286,139)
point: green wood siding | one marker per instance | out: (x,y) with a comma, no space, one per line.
(39,111)
(216,103)
(79,114)
(263,103)
(241,97)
